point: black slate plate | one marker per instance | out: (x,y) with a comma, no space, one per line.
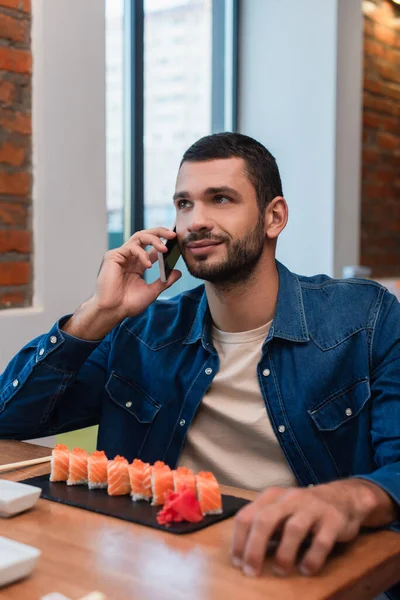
(122,507)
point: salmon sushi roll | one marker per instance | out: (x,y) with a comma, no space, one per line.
(140,480)
(97,470)
(118,477)
(78,467)
(208,493)
(162,481)
(184,478)
(59,463)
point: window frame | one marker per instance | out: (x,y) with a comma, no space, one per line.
(225,19)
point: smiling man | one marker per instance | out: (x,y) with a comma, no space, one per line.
(280,383)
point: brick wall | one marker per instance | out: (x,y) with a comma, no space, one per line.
(380,201)
(15,154)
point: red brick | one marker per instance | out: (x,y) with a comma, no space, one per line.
(12,155)
(374,191)
(18,61)
(372,120)
(381,105)
(389,142)
(12,29)
(17,4)
(384,176)
(13,214)
(15,184)
(369,26)
(370,156)
(12,299)
(391,91)
(14,273)
(392,56)
(373,48)
(7,92)
(389,72)
(15,241)
(372,85)
(395,160)
(391,124)
(385,34)
(383,14)
(16,121)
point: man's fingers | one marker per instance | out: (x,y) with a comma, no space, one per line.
(146,239)
(265,524)
(322,544)
(244,520)
(130,251)
(157,287)
(153,255)
(173,278)
(158,232)
(294,532)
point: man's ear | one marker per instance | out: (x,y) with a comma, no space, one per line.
(276,217)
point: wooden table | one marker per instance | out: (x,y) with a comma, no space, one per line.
(83,551)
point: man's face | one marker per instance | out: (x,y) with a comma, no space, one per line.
(219,226)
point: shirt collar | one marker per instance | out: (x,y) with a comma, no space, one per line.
(289,321)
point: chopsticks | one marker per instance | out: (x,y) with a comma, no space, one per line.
(24,463)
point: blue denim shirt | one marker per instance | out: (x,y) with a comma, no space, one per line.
(329,376)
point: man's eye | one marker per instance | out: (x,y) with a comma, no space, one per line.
(183,203)
(221,199)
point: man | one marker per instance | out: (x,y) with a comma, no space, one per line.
(285,384)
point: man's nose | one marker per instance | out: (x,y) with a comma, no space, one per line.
(199,219)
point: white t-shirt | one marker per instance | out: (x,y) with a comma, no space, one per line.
(231,434)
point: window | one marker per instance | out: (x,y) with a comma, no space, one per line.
(171,79)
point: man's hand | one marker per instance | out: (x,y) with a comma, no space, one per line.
(121,290)
(331,513)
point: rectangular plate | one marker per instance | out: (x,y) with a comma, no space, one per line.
(16,560)
(122,507)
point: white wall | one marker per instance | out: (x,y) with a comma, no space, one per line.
(300,95)
(69,202)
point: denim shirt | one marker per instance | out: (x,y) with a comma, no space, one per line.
(329,376)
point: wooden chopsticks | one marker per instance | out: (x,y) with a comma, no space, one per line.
(24,463)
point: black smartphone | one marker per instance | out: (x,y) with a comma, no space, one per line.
(167,260)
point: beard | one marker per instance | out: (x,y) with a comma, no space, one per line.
(237,267)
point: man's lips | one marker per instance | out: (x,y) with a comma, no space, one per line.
(203,244)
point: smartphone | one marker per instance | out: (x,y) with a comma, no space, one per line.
(167,260)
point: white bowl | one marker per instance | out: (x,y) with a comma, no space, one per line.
(16,497)
(16,560)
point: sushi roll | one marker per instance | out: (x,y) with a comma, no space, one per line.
(78,467)
(140,480)
(59,463)
(184,478)
(97,470)
(208,493)
(162,481)
(118,477)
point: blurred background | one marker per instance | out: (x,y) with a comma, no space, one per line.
(100,98)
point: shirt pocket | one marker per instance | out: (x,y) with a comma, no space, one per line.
(343,422)
(129,396)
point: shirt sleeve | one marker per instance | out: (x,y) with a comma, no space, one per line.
(54,384)
(385,399)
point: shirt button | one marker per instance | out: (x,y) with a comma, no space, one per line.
(208,371)
(41,351)
(182,422)
(266,372)
(128,404)
(281,429)
(348,412)
(15,382)
(53,339)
